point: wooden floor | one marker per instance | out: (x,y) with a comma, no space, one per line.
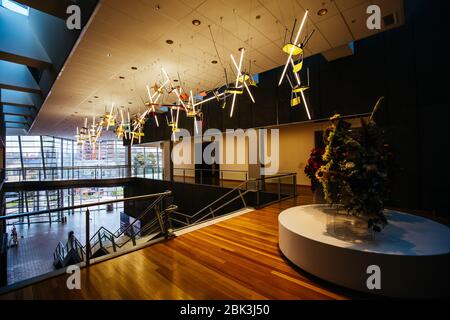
(234,259)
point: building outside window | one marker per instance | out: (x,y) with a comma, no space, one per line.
(50,158)
(147,162)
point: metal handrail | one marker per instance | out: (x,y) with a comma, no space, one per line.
(120,232)
(68,167)
(80,206)
(60,252)
(217,200)
(240,195)
(218,170)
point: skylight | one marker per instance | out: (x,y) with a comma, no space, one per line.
(16,7)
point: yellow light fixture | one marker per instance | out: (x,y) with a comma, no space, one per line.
(294,44)
(296,50)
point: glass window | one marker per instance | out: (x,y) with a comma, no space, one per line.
(147,162)
(50,158)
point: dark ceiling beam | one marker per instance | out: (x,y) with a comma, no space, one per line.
(11,57)
(19,105)
(17,128)
(18,114)
(23,89)
(55,8)
(17,122)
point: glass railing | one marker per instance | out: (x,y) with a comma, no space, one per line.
(83,234)
(264,191)
(66,173)
(81,173)
(148,172)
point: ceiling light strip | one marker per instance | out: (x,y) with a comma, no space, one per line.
(237,80)
(293,47)
(243,79)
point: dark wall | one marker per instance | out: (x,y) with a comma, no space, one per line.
(188,197)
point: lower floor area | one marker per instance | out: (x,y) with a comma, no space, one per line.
(238,258)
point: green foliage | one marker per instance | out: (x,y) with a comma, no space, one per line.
(356,173)
(139,160)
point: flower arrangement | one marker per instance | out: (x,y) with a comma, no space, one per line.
(315,161)
(357,169)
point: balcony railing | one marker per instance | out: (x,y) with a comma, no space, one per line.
(143,220)
(80,173)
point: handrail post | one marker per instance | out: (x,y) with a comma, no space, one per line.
(294,185)
(279,189)
(133,236)
(258,195)
(113,243)
(160,221)
(100,240)
(88,245)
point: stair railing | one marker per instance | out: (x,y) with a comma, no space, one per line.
(251,185)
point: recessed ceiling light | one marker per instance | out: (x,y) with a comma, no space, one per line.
(196,22)
(214,62)
(169,41)
(133,68)
(322,12)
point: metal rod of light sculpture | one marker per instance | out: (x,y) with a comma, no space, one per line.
(195,125)
(295,73)
(209,99)
(150,97)
(293,47)
(110,115)
(174,89)
(237,81)
(243,79)
(157,91)
(305,103)
(153,103)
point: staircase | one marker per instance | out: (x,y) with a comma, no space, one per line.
(68,254)
(105,242)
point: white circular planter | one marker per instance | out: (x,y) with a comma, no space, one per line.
(412,253)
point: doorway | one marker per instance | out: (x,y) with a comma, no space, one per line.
(208,173)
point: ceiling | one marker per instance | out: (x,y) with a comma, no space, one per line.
(126,34)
